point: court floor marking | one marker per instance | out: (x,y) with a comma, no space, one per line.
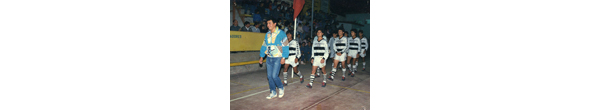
(344,88)
(256,88)
(256,93)
(329,96)
(240,84)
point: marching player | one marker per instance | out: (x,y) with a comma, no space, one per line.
(319,56)
(364,45)
(354,45)
(319,68)
(294,54)
(341,46)
(331,47)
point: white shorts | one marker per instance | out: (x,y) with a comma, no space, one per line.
(363,53)
(291,61)
(340,58)
(352,53)
(317,62)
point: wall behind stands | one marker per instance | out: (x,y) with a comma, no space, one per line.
(360,17)
(237,17)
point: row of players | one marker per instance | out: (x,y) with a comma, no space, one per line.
(339,48)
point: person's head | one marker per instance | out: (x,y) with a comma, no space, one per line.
(256,24)
(289,35)
(360,33)
(270,24)
(235,23)
(353,32)
(346,33)
(257,11)
(262,4)
(341,32)
(247,24)
(320,32)
(334,35)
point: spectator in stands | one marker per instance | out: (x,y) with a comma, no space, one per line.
(246,27)
(306,29)
(255,27)
(299,29)
(256,17)
(235,26)
(263,29)
(262,10)
(277,13)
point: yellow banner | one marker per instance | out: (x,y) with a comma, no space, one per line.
(245,41)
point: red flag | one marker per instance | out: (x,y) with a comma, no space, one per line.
(298,4)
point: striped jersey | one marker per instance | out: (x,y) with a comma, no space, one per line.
(294,49)
(341,44)
(364,44)
(353,44)
(320,48)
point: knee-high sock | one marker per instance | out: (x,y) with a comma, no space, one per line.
(344,72)
(284,77)
(312,78)
(299,74)
(324,77)
(333,71)
(355,66)
(364,65)
(349,66)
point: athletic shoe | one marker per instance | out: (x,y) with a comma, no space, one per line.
(281,92)
(343,78)
(284,84)
(352,75)
(317,75)
(349,72)
(323,84)
(330,78)
(271,96)
(308,86)
(301,80)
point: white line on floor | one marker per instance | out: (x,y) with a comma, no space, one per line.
(256,93)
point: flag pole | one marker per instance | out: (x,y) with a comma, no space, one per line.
(295,25)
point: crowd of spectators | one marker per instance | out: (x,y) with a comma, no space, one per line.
(283,12)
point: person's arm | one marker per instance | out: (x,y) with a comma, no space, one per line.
(347,45)
(359,45)
(326,51)
(285,46)
(263,49)
(312,54)
(298,54)
(366,44)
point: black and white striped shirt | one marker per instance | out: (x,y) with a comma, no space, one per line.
(341,44)
(294,48)
(354,44)
(320,48)
(364,44)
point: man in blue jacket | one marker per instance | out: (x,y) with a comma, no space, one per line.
(276,48)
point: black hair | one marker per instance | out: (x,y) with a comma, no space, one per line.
(257,23)
(288,32)
(360,31)
(270,19)
(353,30)
(246,23)
(341,29)
(319,29)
